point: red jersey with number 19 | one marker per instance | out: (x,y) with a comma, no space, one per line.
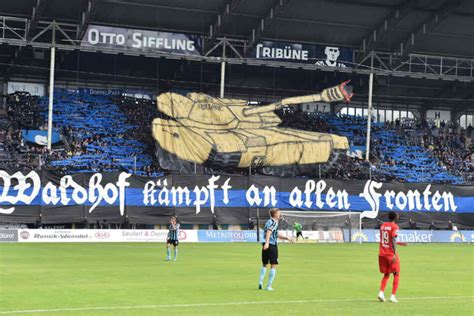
(387,232)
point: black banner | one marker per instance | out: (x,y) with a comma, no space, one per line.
(221,199)
(142,40)
(320,55)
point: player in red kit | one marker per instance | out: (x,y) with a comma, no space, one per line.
(389,262)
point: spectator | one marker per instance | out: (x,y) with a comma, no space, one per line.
(432,226)
(251,224)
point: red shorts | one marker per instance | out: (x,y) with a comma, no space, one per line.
(386,265)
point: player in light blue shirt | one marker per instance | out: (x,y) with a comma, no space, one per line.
(270,248)
(272,226)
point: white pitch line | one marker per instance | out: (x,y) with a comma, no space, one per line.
(105,308)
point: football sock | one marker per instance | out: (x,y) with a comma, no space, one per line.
(176,253)
(168,252)
(385,278)
(396,278)
(271,277)
(263,271)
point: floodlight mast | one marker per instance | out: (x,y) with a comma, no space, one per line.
(369,116)
(51,86)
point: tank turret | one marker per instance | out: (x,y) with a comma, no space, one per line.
(342,92)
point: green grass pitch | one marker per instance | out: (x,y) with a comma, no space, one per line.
(221,279)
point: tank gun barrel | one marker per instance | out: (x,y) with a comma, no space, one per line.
(338,93)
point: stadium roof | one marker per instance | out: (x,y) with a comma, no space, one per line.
(434,27)
(337,22)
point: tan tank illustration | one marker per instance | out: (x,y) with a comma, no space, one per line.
(229,133)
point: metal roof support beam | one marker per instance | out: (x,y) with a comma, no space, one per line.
(86,18)
(435,19)
(223,19)
(439,67)
(382,30)
(29,30)
(266,23)
(35,16)
(244,61)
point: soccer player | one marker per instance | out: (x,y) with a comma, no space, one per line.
(298,229)
(389,262)
(172,239)
(270,248)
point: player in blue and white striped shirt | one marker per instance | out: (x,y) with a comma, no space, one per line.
(270,248)
(172,239)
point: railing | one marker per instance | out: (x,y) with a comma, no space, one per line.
(13,32)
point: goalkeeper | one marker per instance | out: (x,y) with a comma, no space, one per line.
(298,229)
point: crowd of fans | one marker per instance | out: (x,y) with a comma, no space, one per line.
(340,165)
(441,147)
(448,142)
(21,113)
(444,145)
(102,134)
(26,112)
(140,113)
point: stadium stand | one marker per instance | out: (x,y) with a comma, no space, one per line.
(340,115)
(21,113)
(394,157)
(113,133)
(100,134)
